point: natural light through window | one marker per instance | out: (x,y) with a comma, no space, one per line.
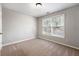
(53,25)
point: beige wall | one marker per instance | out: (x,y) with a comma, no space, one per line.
(0,26)
(71,27)
(17,26)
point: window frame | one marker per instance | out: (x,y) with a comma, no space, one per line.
(55,35)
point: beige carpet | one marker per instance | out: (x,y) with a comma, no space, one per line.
(38,47)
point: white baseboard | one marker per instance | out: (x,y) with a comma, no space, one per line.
(18,41)
(62,44)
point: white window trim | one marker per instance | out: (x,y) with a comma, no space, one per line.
(54,34)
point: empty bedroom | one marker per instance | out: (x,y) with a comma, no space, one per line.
(39,29)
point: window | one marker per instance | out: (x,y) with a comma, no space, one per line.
(53,26)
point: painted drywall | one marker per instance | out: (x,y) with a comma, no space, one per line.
(0,26)
(71,27)
(17,26)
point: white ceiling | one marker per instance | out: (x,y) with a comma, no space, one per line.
(31,9)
